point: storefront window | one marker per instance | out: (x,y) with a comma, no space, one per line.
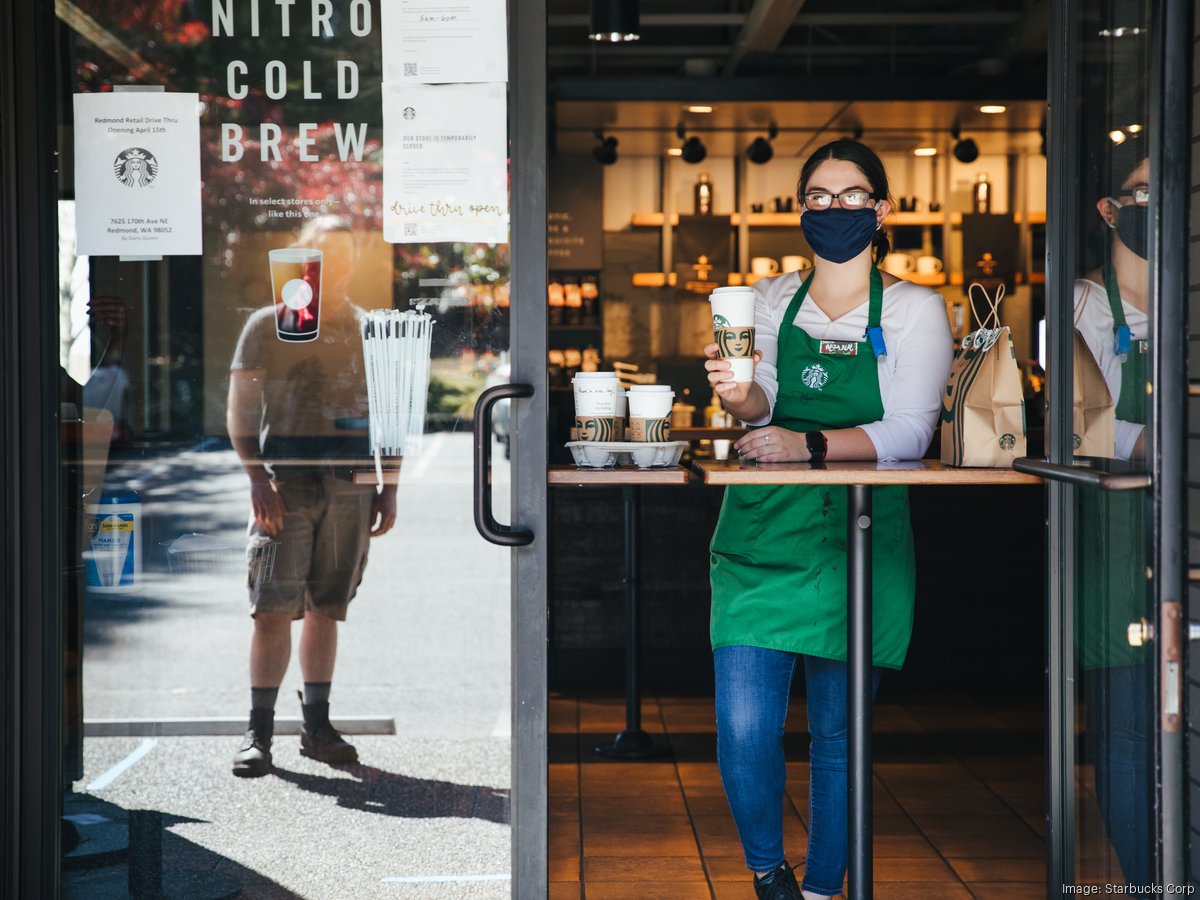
(244,382)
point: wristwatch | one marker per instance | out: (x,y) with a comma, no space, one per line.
(817,445)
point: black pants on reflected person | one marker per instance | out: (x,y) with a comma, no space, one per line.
(1119,707)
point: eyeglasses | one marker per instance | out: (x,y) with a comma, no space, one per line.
(855,198)
(1139,192)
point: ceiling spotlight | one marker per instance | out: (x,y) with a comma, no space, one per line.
(699,109)
(614,21)
(760,149)
(965,149)
(692,151)
(1133,129)
(1117,136)
(606,152)
(674,151)
(925,151)
(992,109)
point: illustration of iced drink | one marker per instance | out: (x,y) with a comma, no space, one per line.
(296,282)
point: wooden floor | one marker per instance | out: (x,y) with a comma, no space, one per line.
(958,803)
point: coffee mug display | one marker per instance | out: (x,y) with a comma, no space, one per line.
(763,265)
(733,329)
(899,263)
(795,263)
(296,284)
(928,265)
(650,412)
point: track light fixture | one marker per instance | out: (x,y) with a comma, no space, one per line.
(605,152)
(613,21)
(760,149)
(965,149)
(692,150)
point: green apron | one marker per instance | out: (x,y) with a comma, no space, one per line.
(1112,529)
(778,555)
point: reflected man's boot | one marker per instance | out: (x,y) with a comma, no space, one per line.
(320,740)
(253,760)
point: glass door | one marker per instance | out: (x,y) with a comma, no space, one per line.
(288,654)
(1114,474)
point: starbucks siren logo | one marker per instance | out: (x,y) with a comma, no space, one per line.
(135,167)
(1007,441)
(720,321)
(409,114)
(815,376)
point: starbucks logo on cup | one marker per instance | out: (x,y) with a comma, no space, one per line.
(1007,442)
(815,376)
(720,321)
(135,167)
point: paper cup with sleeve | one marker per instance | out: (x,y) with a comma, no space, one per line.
(733,328)
(599,408)
(650,412)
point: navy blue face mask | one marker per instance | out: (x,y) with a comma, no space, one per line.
(1131,228)
(837,234)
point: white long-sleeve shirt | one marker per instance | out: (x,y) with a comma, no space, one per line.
(912,377)
(1094,320)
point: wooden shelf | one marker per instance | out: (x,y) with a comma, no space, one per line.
(782,220)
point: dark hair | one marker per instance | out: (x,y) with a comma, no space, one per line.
(870,165)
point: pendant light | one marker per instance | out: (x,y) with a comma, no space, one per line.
(614,21)
(760,150)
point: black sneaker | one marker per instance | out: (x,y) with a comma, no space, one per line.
(779,885)
(253,760)
(319,740)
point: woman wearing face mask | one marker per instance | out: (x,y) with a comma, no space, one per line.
(851,365)
(1111,314)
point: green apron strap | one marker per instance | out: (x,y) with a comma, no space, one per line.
(875,315)
(1122,335)
(793,310)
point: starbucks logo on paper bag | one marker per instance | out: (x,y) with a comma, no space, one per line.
(1007,441)
(135,167)
(815,376)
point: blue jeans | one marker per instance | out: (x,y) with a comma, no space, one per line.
(753,684)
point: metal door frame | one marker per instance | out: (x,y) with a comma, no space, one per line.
(1170,110)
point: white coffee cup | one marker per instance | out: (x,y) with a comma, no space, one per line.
(721,448)
(928,265)
(898,263)
(763,265)
(650,401)
(796,263)
(733,307)
(596,394)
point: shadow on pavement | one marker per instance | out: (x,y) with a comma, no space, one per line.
(96,866)
(387,793)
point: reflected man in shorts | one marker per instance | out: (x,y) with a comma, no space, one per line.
(290,404)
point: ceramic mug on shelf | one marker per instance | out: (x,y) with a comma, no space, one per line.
(763,265)
(795,263)
(898,264)
(928,265)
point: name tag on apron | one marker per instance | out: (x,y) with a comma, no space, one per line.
(839,348)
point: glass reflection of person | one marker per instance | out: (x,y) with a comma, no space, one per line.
(779,552)
(310,525)
(1111,305)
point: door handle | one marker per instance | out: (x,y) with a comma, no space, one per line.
(1084,475)
(504,535)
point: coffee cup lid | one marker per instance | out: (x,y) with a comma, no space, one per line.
(731,289)
(650,388)
(594,376)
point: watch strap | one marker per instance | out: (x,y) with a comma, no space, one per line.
(818,445)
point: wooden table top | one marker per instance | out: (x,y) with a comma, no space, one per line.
(921,471)
(616,476)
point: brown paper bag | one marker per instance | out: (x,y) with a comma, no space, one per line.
(1093,418)
(983,410)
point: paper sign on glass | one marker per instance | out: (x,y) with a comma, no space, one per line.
(445,164)
(444,41)
(137,174)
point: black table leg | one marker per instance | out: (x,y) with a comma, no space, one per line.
(858,643)
(632,743)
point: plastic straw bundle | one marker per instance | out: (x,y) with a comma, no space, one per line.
(396,350)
